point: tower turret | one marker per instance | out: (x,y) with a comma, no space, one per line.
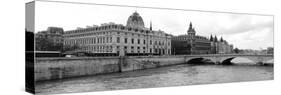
(135,20)
(221,39)
(211,38)
(191,30)
(216,39)
(150,28)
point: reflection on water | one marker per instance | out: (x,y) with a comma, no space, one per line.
(176,75)
(246,61)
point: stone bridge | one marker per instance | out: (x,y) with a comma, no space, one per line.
(226,58)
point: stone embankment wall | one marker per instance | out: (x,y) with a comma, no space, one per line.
(58,68)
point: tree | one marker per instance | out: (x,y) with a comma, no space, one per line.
(46,44)
(236,50)
(67,48)
(43,44)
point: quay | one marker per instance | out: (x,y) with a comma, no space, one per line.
(63,67)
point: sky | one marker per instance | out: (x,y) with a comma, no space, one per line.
(244,31)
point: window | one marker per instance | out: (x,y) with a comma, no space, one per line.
(107,39)
(118,39)
(138,41)
(103,39)
(150,50)
(132,49)
(125,40)
(143,41)
(169,51)
(90,41)
(132,40)
(150,42)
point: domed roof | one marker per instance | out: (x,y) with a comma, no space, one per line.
(135,20)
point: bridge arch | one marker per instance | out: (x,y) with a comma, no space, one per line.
(255,60)
(226,59)
(200,60)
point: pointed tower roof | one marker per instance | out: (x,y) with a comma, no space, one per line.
(216,39)
(221,39)
(191,30)
(150,28)
(211,38)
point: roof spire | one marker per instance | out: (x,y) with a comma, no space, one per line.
(150,25)
(221,39)
(216,39)
(211,38)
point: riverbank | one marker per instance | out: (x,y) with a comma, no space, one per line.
(175,75)
(59,68)
(63,67)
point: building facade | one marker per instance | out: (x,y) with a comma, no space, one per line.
(132,39)
(50,39)
(270,50)
(190,43)
(220,46)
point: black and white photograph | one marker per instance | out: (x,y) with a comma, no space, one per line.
(74,47)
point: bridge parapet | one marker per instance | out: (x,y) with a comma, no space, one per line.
(226,58)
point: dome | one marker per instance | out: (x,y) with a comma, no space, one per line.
(135,20)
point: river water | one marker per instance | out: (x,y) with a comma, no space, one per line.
(176,75)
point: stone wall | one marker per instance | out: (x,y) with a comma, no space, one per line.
(58,68)
(144,62)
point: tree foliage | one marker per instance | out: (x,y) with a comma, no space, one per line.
(236,50)
(45,44)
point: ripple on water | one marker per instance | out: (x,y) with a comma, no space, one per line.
(165,76)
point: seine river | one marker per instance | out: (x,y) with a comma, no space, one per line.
(176,75)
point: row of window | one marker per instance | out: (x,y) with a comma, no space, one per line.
(118,48)
(189,38)
(105,33)
(98,48)
(143,42)
(98,40)
(108,27)
(95,40)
